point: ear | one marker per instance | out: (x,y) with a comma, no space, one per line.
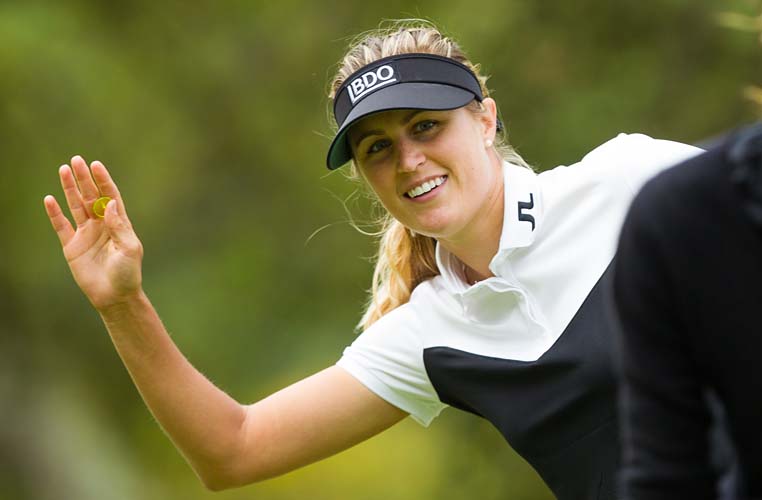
(488,119)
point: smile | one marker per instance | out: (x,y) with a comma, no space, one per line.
(425,187)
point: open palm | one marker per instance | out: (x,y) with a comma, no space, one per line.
(104,254)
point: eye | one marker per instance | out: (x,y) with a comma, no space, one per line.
(378,146)
(425,125)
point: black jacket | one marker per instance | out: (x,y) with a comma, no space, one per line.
(688,293)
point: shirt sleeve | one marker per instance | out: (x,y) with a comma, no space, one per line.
(640,157)
(388,359)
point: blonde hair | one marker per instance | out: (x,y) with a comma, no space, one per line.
(404,260)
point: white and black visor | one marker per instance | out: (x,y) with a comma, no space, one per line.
(405,81)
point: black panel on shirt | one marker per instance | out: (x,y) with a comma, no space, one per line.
(558,412)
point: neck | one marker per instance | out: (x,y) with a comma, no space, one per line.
(479,242)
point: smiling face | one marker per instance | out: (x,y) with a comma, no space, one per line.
(431,169)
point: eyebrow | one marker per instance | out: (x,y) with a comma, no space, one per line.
(405,119)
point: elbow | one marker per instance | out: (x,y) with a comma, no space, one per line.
(215,486)
(219,482)
(215,476)
(214,480)
(234,465)
(222,484)
(225,479)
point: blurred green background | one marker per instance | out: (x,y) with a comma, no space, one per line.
(212,119)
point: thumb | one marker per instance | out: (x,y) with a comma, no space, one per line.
(119,231)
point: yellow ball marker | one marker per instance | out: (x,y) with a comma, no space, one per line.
(99,207)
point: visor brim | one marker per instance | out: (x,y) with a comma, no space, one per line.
(412,95)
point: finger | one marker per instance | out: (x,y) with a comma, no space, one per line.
(73,197)
(85,181)
(120,231)
(60,223)
(103,180)
(108,188)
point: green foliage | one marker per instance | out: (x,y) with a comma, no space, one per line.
(212,118)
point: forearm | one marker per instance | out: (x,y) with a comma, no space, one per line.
(203,422)
(105,257)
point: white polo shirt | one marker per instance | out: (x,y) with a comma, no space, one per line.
(560,231)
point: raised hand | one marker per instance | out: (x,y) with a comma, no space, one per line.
(104,254)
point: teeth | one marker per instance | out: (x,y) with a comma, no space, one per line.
(425,187)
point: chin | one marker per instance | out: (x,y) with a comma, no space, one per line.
(436,226)
(432,231)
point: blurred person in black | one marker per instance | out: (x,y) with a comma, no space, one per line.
(686,290)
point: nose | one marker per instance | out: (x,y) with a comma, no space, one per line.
(411,155)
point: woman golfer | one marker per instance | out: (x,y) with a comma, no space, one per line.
(486,293)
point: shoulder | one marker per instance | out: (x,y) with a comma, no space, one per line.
(398,328)
(400,336)
(402,328)
(635,147)
(388,359)
(429,291)
(696,186)
(635,158)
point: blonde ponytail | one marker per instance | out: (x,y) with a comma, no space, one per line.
(403,262)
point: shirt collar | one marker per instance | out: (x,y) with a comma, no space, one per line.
(521,221)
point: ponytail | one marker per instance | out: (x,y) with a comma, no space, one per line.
(404,261)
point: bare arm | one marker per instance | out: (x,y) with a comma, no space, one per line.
(226,443)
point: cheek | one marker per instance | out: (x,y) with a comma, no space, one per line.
(381,185)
